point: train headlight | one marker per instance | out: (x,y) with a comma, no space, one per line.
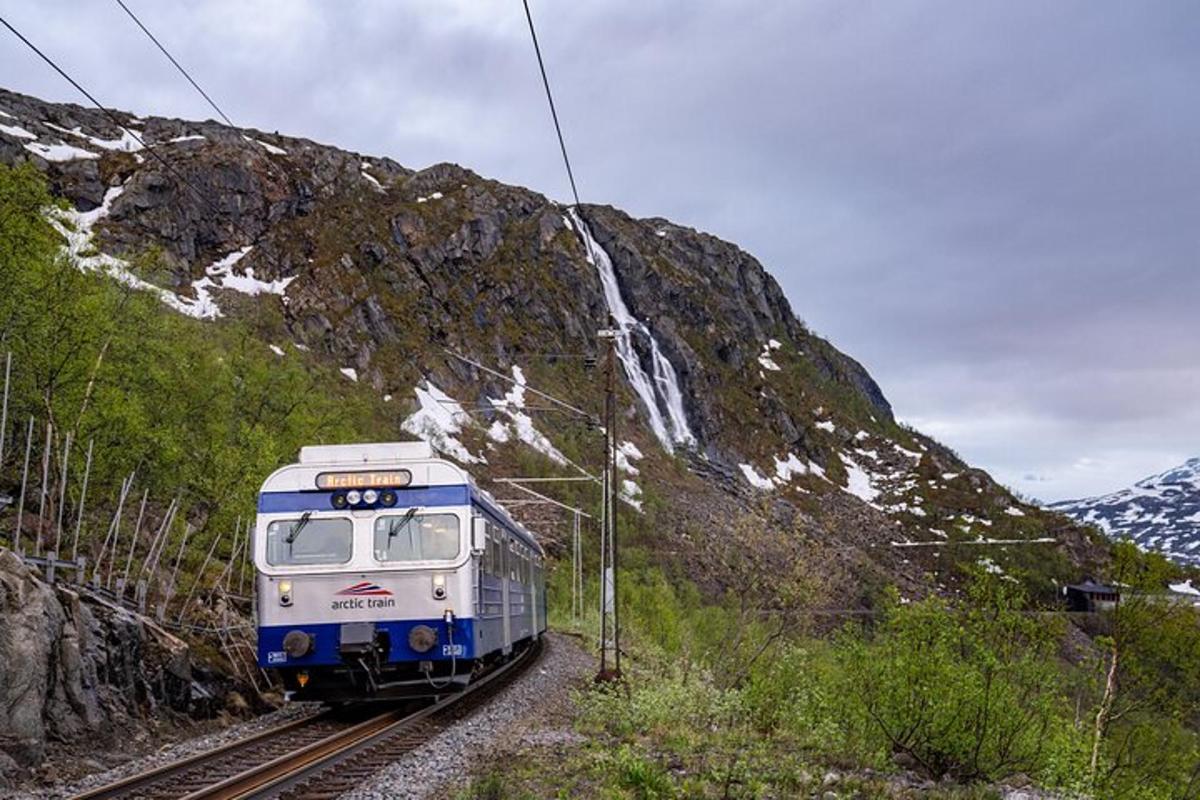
(353,496)
(285,593)
(439,587)
(297,644)
(422,638)
(370,496)
(387,497)
(339,501)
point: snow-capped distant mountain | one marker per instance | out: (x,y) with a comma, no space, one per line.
(1160,513)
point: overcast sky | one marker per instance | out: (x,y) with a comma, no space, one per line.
(994,206)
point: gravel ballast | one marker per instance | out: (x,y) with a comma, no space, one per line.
(520,711)
(170,753)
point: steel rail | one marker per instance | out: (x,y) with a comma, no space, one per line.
(291,769)
(127,787)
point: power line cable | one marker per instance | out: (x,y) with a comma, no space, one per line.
(178,66)
(550,99)
(116,121)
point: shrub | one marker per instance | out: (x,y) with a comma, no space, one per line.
(972,693)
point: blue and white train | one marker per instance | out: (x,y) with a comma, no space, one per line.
(383,571)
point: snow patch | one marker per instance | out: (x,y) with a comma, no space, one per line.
(826,425)
(245,283)
(371,179)
(270,148)
(756,480)
(128,141)
(1185,588)
(17,132)
(631,493)
(499,432)
(510,405)
(76,227)
(1013,511)
(350,372)
(858,481)
(59,152)
(437,421)
(788,468)
(764,358)
(627,452)
(276,349)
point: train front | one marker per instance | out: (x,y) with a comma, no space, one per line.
(364,585)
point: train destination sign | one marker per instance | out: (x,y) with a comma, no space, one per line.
(364,480)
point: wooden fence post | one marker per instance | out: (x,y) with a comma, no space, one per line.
(24,487)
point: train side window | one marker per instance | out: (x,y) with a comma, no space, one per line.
(494,547)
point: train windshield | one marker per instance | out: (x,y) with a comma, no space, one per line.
(413,537)
(306,540)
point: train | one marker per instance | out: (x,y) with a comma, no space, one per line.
(383,571)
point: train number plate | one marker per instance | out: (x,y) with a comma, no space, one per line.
(277,657)
(452,650)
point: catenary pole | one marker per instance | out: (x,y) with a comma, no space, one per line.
(611,427)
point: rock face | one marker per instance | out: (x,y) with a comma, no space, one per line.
(379,271)
(1159,513)
(73,667)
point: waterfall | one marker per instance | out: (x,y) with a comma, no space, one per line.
(661,394)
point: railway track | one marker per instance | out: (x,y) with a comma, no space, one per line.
(296,761)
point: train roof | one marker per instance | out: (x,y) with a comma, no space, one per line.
(418,458)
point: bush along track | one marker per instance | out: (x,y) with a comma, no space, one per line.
(983,697)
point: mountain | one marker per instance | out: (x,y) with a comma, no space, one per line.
(1159,513)
(383,276)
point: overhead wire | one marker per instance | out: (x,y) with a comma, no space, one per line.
(178,66)
(550,99)
(562,143)
(112,116)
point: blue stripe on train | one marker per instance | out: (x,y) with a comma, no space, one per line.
(283,502)
(327,637)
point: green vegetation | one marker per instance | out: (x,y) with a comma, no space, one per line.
(202,410)
(928,698)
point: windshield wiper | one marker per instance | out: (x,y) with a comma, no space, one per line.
(395,528)
(304,518)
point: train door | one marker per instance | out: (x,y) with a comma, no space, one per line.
(506,558)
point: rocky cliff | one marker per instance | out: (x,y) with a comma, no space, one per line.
(729,404)
(74,667)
